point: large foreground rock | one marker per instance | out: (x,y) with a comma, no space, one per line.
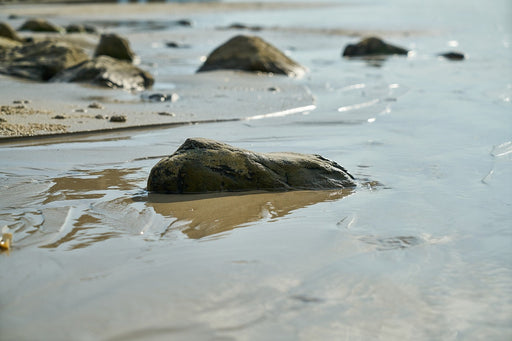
(109,72)
(114,46)
(41,60)
(248,53)
(372,46)
(202,165)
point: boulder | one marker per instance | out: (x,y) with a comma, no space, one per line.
(249,53)
(41,25)
(372,46)
(109,72)
(41,60)
(6,31)
(202,165)
(79,28)
(114,46)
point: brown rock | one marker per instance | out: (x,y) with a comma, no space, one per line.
(372,46)
(202,165)
(114,46)
(41,25)
(249,53)
(6,31)
(109,72)
(40,61)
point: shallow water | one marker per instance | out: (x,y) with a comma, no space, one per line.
(420,250)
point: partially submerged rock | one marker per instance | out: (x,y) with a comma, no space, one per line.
(6,31)
(249,53)
(79,28)
(372,46)
(109,72)
(202,165)
(41,25)
(41,60)
(453,55)
(114,46)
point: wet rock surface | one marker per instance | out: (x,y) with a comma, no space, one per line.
(108,72)
(41,60)
(250,53)
(202,165)
(41,25)
(114,46)
(372,46)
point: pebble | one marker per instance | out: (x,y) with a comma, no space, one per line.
(164,113)
(118,118)
(59,117)
(95,105)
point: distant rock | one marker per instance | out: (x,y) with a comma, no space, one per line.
(114,46)
(41,60)
(6,31)
(109,72)
(202,165)
(453,55)
(249,53)
(41,25)
(79,28)
(372,46)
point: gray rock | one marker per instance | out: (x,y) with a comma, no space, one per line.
(372,46)
(6,31)
(41,25)
(249,53)
(41,60)
(202,165)
(109,72)
(114,46)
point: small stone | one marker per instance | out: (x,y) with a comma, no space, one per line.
(59,117)
(164,113)
(118,118)
(100,117)
(21,101)
(273,89)
(80,110)
(184,22)
(95,105)
(453,55)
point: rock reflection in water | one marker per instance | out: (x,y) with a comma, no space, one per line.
(208,214)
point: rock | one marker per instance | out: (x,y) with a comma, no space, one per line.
(114,46)
(6,31)
(40,25)
(184,22)
(158,97)
(118,118)
(79,28)
(95,105)
(176,45)
(109,72)
(249,53)
(41,60)
(202,165)
(372,46)
(453,55)
(239,26)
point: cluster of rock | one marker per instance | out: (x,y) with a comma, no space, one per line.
(202,165)
(58,61)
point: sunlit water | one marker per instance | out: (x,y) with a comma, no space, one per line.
(421,250)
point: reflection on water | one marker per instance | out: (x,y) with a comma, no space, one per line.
(84,207)
(211,214)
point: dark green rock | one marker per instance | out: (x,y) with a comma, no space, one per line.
(372,46)
(249,53)
(202,165)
